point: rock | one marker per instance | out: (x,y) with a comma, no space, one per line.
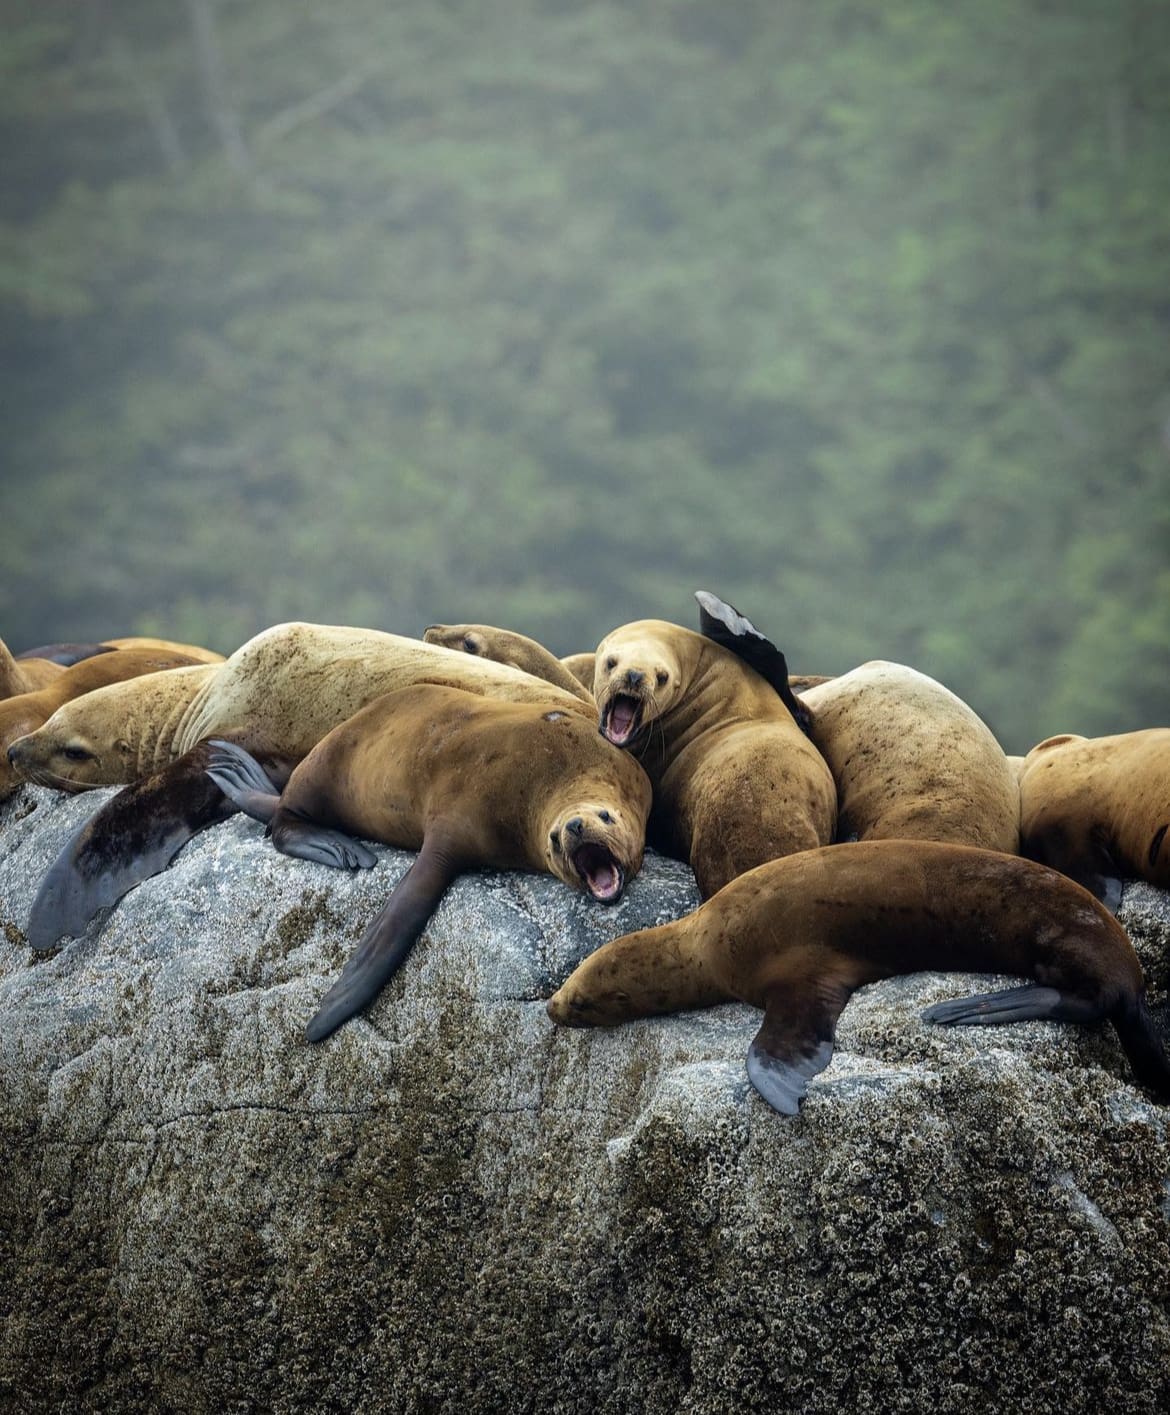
(453,1205)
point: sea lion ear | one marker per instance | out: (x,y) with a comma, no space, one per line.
(724,625)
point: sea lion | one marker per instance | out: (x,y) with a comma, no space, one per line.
(1098,808)
(24,714)
(736,781)
(912,761)
(797,936)
(193,651)
(471,782)
(581,666)
(25,675)
(277,696)
(65,654)
(506,646)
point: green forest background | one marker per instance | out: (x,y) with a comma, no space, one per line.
(545,313)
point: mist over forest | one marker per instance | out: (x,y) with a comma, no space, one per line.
(546,313)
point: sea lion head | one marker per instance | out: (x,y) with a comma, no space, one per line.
(63,757)
(463,638)
(640,671)
(596,845)
(15,722)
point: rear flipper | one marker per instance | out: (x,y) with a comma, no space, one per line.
(242,780)
(796,1040)
(305,840)
(723,624)
(1031,1003)
(385,945)
(132,837)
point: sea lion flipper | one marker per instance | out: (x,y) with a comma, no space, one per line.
(1030,1003)
(723,624)
(795,1042)
(306,840)
(242,780)
(133,836)
(385,945)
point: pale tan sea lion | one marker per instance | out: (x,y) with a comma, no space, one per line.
(736,781)
(1098,808)
(24,714)
(912,761)
(25,675)
(277,696)
(471,782)
(506,646)
(581,666)
(797,936)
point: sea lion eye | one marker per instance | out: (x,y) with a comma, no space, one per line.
(660,678)
(605,816)
(469,644)
(76,754)
(554,840)
(611,662)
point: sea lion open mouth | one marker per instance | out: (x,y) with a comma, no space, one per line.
(602,875)
(622,719)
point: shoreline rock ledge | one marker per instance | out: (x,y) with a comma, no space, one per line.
(453,1205)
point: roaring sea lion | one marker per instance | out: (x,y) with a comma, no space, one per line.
(25,675)
(1098,808)
(277,696)
(471,783)
(506,646)
(24,714)
(797,936)
(736,781)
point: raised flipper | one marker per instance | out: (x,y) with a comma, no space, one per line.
(242,780)
(1030,1003)
(306,840)
(385,944)
(723,624)
(132,837)
(795,1041)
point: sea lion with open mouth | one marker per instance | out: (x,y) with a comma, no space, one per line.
(471,783)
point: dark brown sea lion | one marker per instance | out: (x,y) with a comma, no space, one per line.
(24,714)
(506,646)
(736,781)
(468,781)
(1098,808)
(277,696)
(799,935)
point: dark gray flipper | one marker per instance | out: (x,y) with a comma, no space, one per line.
(132,837)
(242,780)
(385,945)
(795,1041)
(1030,1003)
(723,624)
(306,840)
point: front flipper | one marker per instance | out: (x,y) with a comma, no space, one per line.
(723,624)
(795,1041)
(1030,1003)
(132,837)
(242,780)
(385,945)
(306,840)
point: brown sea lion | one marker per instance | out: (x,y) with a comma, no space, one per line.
(25,675)
(506,646)
(1098,808)
(736,781)
(24,714)
(912,761)
(797,936)
(471,783)
(192,651)
(277,696)
(581,666)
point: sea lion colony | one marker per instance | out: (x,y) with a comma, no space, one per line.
(841,829)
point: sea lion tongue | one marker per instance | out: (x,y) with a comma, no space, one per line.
(602,876)
(622,717)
